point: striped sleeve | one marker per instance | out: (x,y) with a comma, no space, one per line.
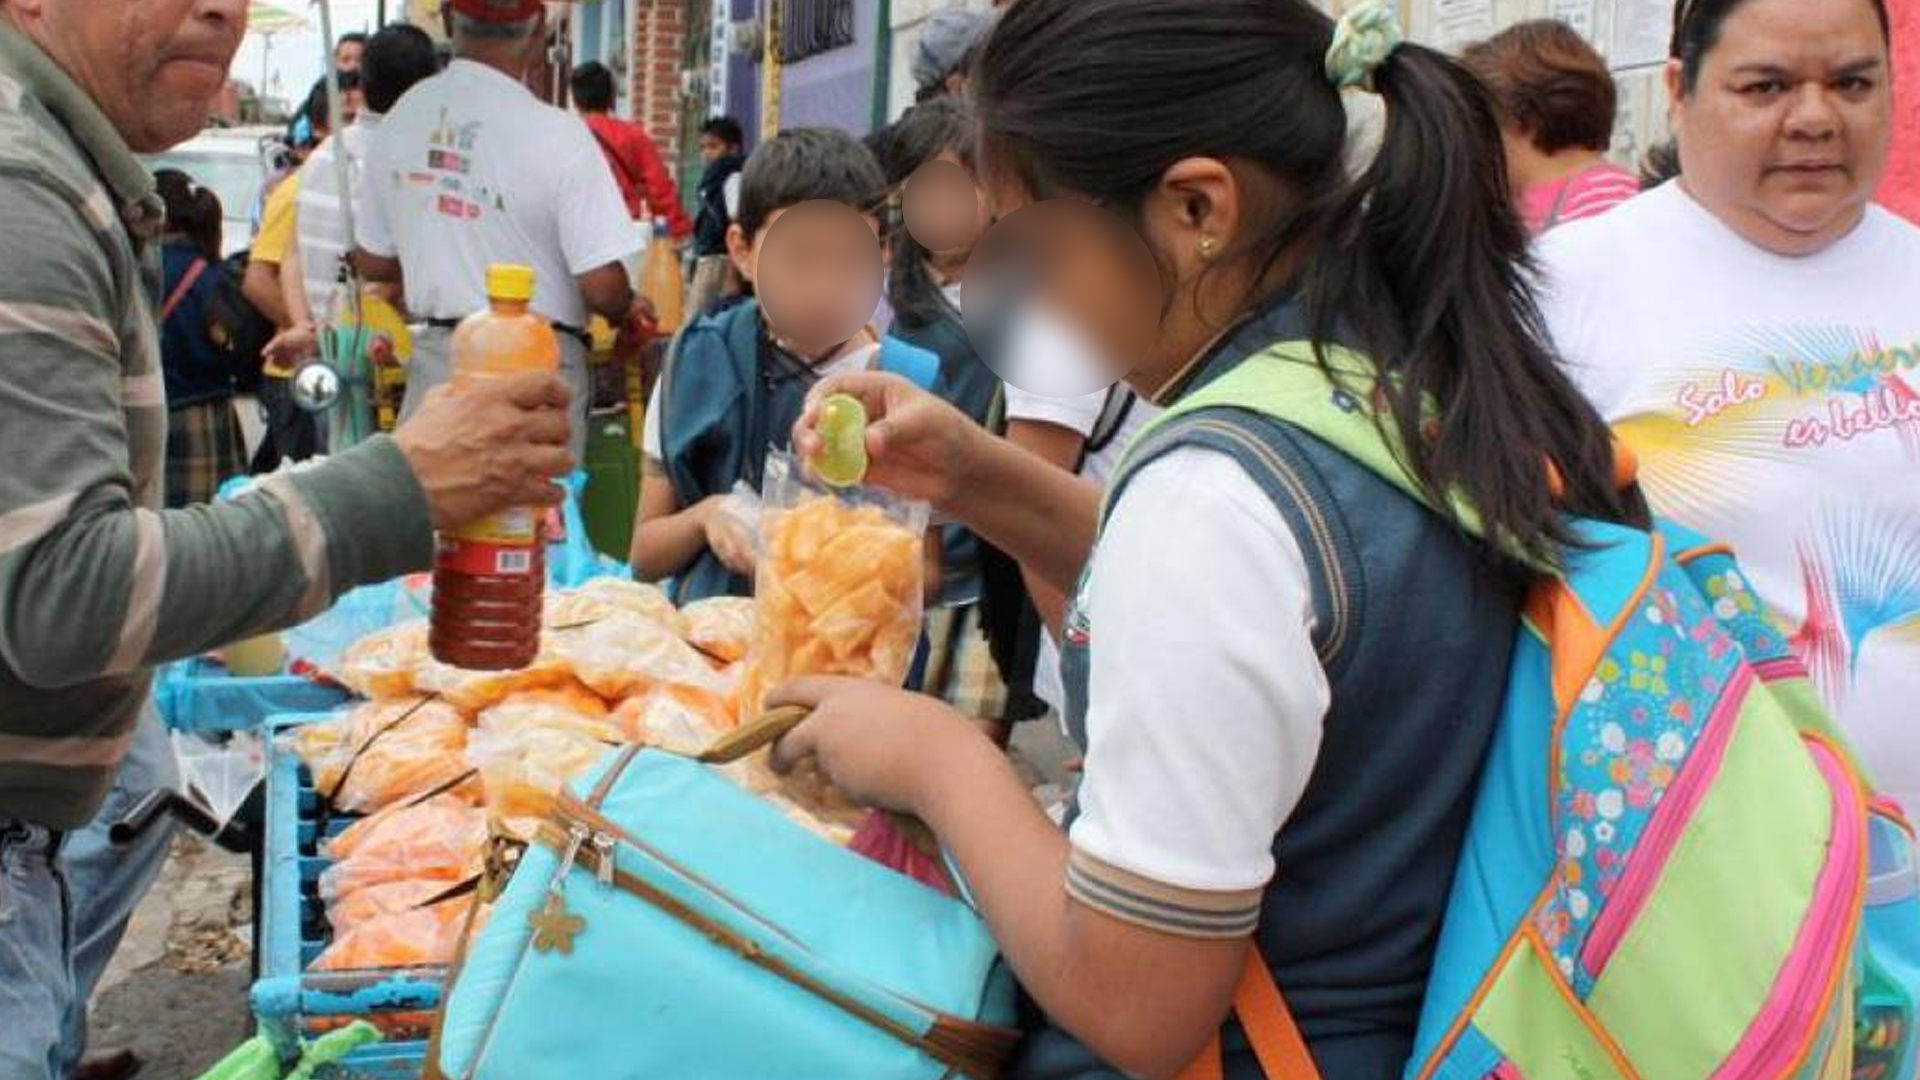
(92,583)
(1142,901)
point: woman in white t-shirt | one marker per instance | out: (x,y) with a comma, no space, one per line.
(1284,687)
(1752,330)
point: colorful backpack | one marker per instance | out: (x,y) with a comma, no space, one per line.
(1675,870)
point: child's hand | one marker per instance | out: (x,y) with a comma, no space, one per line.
(917,445)
(877,744)
(729,540)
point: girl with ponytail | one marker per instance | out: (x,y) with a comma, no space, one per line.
(1283,664)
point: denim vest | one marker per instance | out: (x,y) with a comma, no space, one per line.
(724,403)
(1413,630)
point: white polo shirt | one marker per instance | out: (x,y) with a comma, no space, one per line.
(470,169)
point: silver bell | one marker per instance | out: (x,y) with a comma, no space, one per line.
(316,387)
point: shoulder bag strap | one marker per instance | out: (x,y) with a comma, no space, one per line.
(1276,1039)
(181,290)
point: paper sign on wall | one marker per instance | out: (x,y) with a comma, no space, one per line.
(1641,30)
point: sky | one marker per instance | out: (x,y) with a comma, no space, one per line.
(294,59)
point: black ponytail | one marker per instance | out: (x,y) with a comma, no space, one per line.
(1426,263)
(1420,261)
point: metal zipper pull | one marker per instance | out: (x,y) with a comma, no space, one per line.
(603,848)
(577,835)
(553,926)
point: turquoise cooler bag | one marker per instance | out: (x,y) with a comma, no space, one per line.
(668,924)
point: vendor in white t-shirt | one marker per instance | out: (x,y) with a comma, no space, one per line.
(1753,331)
(471,169)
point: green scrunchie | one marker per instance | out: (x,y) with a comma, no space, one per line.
(1362,40)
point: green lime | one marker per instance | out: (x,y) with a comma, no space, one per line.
(842,461)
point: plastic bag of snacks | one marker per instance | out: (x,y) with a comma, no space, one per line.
(839,587)
(568,707)
(682,719)
(523,769)
(721,626)
(379,901)
(601,597)
(477,690)
(384,751)
(422,937)
(405,826)
(441,840)
(382,664)
(624,655)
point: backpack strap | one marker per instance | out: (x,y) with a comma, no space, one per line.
(910,362)
(180,291)
(1270,1027)
(1106,427)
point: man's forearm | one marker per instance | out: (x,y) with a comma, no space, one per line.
(109,588)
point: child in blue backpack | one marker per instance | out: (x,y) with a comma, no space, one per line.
(734,383)
(1284,669)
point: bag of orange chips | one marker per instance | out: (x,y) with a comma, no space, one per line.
(839,585)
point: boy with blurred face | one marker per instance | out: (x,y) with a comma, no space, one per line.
(807,241)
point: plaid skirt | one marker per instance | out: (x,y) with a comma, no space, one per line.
(960,668)
(204,449)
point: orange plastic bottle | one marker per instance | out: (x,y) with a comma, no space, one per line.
(662,282)
(489,577)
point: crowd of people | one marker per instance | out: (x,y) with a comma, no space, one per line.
(1283,678)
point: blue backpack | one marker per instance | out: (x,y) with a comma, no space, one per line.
(1674,870)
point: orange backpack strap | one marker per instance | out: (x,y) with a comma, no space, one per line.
(1276,1039)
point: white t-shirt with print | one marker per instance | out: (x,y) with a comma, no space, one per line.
(1774,404)
(1081,415)
(470,169)
(1206,699)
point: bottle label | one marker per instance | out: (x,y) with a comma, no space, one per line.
(478,558)
(497,546)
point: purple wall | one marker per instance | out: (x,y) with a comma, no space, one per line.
(834,89)
(743,81)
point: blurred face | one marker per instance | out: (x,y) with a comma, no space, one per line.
(1785,137)
(713,148)
(154,67)
(945,209)
(347,56)
(1061,298)
(1145,296)
(816,270)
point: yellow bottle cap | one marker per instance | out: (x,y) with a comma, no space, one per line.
(506,281)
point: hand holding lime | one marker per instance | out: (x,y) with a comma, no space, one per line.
(842,460)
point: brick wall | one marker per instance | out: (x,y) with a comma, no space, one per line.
(659,50)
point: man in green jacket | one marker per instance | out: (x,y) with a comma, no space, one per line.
(97,583)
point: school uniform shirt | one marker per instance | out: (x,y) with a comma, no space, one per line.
(470,169)
(1773,404)
(1081,415)
(1204,716)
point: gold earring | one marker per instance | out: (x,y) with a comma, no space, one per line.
(1206,248)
